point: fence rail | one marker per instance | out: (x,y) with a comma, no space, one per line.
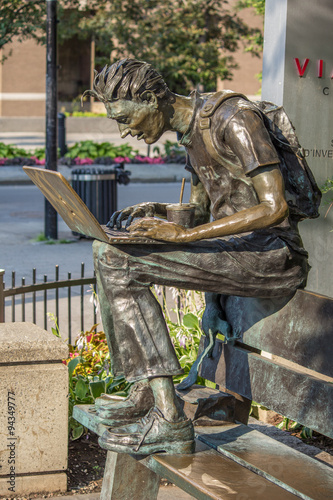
(18,297)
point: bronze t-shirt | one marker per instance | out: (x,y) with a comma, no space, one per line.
(242,144)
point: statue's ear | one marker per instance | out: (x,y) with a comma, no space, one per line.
(149,97)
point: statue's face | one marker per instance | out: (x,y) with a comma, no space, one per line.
(140,119)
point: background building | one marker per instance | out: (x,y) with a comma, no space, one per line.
(22,75)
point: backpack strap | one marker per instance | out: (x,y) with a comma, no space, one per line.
(205,114)
(213,103)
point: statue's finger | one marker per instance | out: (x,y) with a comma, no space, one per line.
(120,219)
(126,214)
(112,220)
(129,221)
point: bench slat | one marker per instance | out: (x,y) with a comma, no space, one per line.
(300,331)
(293,394)
(205,474)
(271,459)
(208,475)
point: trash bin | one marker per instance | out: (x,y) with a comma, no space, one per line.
(97,187)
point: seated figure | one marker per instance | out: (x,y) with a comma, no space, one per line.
(244,243)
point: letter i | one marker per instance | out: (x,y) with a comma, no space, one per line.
(320,68)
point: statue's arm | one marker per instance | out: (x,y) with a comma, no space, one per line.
(198,197)
(271,210)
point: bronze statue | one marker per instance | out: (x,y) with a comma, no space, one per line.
(244,243)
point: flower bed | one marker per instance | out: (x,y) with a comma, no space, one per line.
(88,153)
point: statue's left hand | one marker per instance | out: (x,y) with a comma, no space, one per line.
(158,229)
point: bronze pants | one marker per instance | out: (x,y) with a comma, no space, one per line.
(139,343)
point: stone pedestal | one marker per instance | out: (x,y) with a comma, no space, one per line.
(33,411)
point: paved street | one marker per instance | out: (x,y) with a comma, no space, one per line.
(22,220)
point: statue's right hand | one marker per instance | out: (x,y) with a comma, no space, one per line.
(147,209)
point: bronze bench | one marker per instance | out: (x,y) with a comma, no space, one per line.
(282,360)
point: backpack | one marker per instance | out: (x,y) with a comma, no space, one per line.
(301,191)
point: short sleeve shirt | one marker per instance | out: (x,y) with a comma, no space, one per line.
(240,143)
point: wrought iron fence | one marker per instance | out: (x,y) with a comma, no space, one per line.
(34,302)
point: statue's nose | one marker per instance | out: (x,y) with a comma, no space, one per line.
(123,129)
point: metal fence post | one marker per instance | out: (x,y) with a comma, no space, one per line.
(62,134)
(2,297)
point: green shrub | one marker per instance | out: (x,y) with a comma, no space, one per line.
(84,114)
(11,151)
(90,149)
(89,374)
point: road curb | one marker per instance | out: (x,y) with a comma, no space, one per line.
(171,172)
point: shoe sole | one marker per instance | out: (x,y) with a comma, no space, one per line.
(172,448)
(108,401)
(119,422)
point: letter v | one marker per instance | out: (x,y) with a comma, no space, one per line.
(301,69)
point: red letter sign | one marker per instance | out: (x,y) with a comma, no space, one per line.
(320,68)
(301,69)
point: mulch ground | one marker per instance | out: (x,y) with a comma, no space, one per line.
(318,440)
(86,462)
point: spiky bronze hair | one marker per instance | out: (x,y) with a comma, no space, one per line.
(127,79)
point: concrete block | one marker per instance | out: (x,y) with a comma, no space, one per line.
(26,342)
(42,484)
(33,411)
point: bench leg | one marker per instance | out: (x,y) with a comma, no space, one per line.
(125,479)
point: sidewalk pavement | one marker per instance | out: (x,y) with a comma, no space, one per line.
(165,493)
(140,172)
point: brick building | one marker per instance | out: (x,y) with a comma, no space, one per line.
(22,76)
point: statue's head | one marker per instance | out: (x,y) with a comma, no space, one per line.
(127,79)
(133,94)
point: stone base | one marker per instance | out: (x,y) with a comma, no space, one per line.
(41,483)
(33,411)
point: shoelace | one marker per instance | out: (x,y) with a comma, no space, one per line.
(148,421)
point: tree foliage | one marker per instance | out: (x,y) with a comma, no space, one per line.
(255,39)
(258,5)
(190,42)
(21,19)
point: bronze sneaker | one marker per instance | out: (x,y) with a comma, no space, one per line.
(152,434)
(126,410)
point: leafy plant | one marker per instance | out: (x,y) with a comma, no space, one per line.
(11,151)
(91,149)
(255,407)
(40,153)
(328,188)
(290,425)
(89,374)
(183,312)
(173,149)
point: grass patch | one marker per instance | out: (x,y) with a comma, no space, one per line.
(41,238)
